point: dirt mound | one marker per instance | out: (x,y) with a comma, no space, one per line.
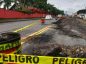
(73,27)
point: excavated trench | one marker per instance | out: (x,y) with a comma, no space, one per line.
(63,40)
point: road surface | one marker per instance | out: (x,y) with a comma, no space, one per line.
(25,28)
(13,26)
(48,40)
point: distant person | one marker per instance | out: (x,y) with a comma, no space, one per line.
(42,21)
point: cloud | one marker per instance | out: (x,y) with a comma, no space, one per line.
(69,5)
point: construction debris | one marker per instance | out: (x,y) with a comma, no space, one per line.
(67,40)
(73,26)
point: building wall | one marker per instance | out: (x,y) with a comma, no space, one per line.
(14,14)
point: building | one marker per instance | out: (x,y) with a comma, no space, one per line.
(82,13)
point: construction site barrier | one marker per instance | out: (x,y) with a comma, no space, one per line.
(10,43)
(29,59)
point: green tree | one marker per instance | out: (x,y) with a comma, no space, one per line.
(48,8)
(22,5)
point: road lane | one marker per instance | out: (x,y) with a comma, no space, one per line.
(11,26)
(24,28)
(35,34)
(34,28)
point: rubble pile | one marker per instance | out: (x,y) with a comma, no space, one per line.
(67,40)
(73,27)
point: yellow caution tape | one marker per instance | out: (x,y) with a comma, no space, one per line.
(7,46)
(29,59)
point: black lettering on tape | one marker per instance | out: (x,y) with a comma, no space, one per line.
(21,59)
(16,58)
(5,58)
(72,61)
(78,61)
(10,58)
(66,62)
(61,60)
(84,62)
(36,59)
(55,60)
(28,59)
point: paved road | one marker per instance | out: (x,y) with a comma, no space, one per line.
(12,26)
(27,29)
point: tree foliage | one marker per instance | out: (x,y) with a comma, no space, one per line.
(49,8)
(23,5)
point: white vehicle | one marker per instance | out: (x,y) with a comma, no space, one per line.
(48,17)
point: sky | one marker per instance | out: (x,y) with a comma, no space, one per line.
(69,6)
